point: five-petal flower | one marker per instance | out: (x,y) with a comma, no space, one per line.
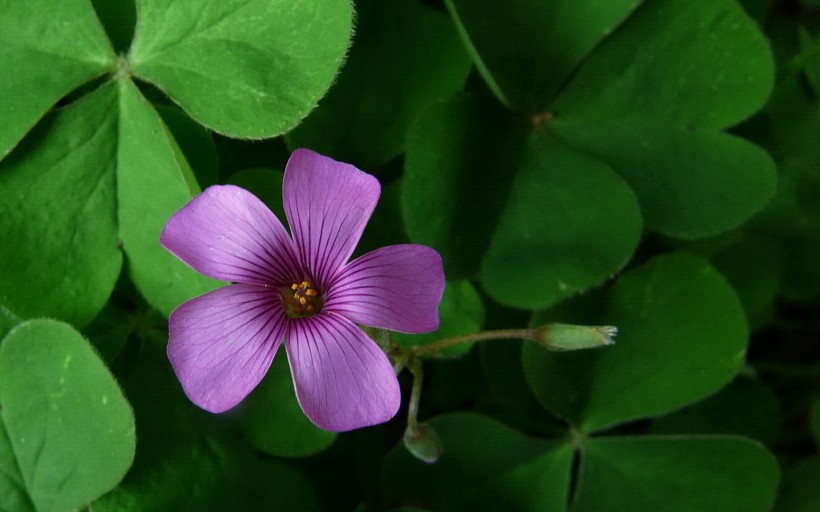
(301,289)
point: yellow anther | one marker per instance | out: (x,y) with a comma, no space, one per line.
(303,300)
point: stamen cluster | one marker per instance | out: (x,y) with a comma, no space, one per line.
(304,301)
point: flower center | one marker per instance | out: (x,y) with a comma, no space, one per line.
(302,300)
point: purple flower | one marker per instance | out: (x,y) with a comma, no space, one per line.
(299,289)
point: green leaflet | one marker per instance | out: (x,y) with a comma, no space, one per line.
(187,462)
(273,421)
(647,99)
(67,229)
(521,195)
(745,407)
(569,223)
(105,173)
(705,66)
(66,430)
(680,473)
(461,156)
(52,46)
(151,186)
(526,49)
(58,213)
(641,473)
(650,108)
(385,84)
(689,184)
(485,465)
(224,61)
(679,322)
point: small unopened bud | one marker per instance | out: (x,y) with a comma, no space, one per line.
(574,337)
(423,442)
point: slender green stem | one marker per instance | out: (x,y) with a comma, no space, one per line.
(420,439)
(501,334)
(398,366)
(417,370)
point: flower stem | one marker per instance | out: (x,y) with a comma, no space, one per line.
(420,439)
(417,370)
(500,334)
(556,337)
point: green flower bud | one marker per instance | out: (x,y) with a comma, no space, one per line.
(423,442)
(574,337)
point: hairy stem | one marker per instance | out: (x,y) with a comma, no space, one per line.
(501,334)
(417,370)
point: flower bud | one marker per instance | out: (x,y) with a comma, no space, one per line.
(574,337)
(423,442)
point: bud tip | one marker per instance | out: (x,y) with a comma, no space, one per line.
(423,442)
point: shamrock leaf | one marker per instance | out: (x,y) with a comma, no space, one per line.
(98,178)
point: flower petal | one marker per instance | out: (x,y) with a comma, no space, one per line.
(222,343)
(328,204)
(397,287)
(343,379)
(229,234)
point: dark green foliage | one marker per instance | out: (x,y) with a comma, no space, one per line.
(648,164)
